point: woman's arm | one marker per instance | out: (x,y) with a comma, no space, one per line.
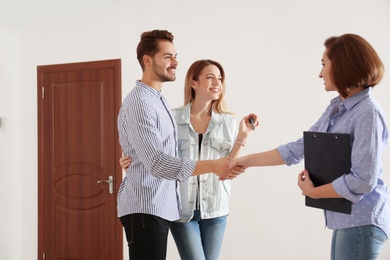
(320,192)
(244,129)
(268,158)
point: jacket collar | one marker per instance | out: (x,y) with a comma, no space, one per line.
(184,116)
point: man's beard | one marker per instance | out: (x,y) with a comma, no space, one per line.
(159,72)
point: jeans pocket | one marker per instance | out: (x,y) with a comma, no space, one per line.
(378,234)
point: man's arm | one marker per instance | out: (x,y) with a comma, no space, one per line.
(218,167)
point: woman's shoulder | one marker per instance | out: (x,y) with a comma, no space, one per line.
(175,110)
(178,110)
(226,118)
(181,114)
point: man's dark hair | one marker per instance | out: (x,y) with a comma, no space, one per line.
(149,43)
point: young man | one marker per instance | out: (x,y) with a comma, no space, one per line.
(148,197)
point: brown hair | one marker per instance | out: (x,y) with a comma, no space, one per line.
(218,106)
(355,63)
(149,43)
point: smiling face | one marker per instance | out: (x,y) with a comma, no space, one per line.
(164,62)
(208,85)
(326,73)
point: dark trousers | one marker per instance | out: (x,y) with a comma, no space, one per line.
(146,235)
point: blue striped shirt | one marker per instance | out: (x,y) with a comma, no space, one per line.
(147,133)
(362,118)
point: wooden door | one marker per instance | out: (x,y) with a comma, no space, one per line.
(78,153)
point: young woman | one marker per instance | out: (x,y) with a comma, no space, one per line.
(352,68)
(206,130)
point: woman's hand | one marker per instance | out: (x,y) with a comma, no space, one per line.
(125,162)
(246,127)
(306,184)
(239,163)
(223,172)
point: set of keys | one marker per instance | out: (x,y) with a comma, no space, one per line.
(252,123)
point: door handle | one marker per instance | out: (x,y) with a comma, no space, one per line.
(110,184)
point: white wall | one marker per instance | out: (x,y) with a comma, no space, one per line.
(10,147)
(271,51)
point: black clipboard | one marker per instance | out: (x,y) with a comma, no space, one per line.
(327,157)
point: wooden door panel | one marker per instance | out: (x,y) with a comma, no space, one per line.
(78,146)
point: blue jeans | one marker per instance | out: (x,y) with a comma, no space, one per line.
(199,239)
(359,243)
(146,236)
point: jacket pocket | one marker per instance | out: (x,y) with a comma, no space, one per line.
(221,145)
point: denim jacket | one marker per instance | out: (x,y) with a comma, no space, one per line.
(218,140)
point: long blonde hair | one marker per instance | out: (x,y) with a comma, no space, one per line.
(218,106)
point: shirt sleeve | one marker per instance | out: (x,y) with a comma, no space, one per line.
(366,167)
(147,140)
(293,152)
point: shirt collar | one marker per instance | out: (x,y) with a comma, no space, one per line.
(350,102)
(148,88)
